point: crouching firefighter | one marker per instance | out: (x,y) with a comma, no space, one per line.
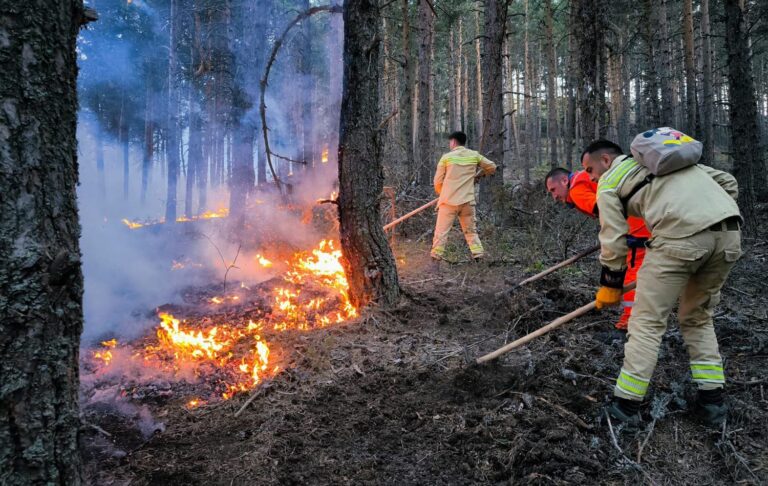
(695,240)
(454,182)
(577,190)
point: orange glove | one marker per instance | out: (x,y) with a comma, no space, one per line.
(607,296)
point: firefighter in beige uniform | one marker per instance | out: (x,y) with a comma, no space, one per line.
(455,183)
(694,222)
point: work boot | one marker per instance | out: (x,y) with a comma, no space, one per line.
(624,411)
(623,322)
(478,258)
(710,408)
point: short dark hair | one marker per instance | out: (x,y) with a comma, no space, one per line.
(460,137)
(605,145)
(556,172)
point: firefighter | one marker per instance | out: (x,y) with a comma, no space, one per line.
(454,182)
(579,191)
(695,241)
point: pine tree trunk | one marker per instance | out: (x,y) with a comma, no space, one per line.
(307,122)
(707,102)
(553,130)
(100,160)
(665,86)
(478,76)
(41,282)
(570,80)
(590,21)
(406,101)
(367,259)
(172,122)
(149,142)
(651,86)
(745,136)
(126,147)
(424,128)
(690,69)
(492,140)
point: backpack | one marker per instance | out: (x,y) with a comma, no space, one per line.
(662,151)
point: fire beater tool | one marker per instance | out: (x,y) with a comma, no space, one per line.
(549,270)
(543,330)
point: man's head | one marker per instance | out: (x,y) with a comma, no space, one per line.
(457,139)
(557,182)
(598,156)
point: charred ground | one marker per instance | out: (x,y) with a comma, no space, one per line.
(391,398)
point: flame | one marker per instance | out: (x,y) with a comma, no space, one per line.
(132,224)
(222,212)
(324,155)
(234,357)
(263,261)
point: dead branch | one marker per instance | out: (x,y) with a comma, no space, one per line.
(336,9)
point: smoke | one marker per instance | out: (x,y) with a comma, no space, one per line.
(123,78)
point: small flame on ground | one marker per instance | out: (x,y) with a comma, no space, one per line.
(263,261)
(324,155)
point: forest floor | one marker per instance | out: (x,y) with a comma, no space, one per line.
(390,398)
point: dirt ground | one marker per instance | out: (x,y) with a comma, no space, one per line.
(391,399)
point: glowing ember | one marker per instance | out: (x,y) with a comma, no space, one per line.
(219,213)
(132,224)
(194,403)
(104,356)
(220,300)
(324,155)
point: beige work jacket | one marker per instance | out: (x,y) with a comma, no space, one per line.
(675,205)
(455,175)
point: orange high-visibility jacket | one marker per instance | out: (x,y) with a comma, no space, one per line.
(582,195)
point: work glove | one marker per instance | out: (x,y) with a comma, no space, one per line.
(611,288)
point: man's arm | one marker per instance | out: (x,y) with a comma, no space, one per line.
(613,232)
(440,175)
(724,179)
(584,198)
(486,166)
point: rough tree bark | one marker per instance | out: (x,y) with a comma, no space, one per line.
(552,127)
(745,136)
(149,142)
(41,282)
(406,101)
(590,24)
(665,73)
(172,122)
(707,102)
(492,135)
(367,259)
(424,130)
(651,85)
(690,69)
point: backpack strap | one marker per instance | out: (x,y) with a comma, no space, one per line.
(625,200)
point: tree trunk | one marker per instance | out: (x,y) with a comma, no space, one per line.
(367,259)
(478,76)
(552,129)
(243,177)
(100,160)
(307,121)
(665,64)
(570,82)
(651,86)
(41,282)
(530,157)
(707,102)
(149,142)
(690,69)
(492,138)
(123,127)
(406,101)
(745,136)
(424,129)
(590,21)
(172,122)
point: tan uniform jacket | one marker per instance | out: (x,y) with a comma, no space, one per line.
(455,175)
(675,205)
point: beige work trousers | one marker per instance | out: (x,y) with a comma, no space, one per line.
(694,269)
(446,214)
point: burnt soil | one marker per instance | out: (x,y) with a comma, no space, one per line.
(393,398)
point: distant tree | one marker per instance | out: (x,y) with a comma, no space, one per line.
(368,261)
(41,282)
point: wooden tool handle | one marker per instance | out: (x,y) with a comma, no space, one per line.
(406,216)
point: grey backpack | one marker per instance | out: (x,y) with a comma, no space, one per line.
(664,150)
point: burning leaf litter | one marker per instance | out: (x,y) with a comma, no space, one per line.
(235,357)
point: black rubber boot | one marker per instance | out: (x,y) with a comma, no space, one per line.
(710,408)
(624,411)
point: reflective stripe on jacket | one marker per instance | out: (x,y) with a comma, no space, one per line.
(455,175)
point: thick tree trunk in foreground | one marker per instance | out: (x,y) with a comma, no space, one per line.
(41,283)
(367,258)
(745,136)
(492,139)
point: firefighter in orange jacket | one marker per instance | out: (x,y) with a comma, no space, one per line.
(578,191)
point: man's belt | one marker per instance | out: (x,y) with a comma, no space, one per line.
(728,224)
